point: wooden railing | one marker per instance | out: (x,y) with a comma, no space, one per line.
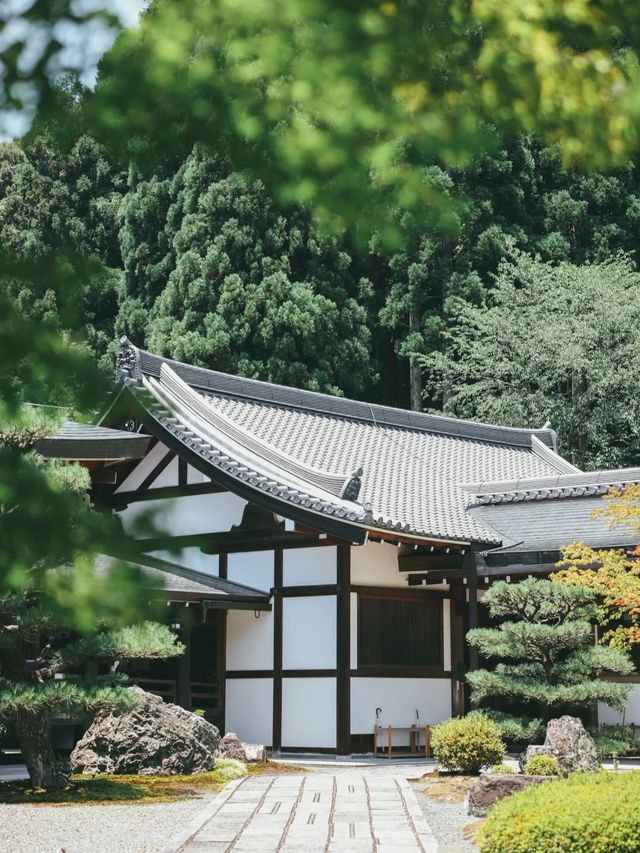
(204,694)
(165,688)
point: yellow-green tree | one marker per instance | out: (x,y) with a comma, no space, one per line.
(613,574)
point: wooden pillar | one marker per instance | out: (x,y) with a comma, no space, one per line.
(471,572)
(221,669)
(458,607)
(343,651)
(276,738)
(184,668)
(223,562)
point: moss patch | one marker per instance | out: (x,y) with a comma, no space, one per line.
(91,790)
(446,789)
(470,830)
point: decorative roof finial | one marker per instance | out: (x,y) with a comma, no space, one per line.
(127,366)
(547,424)
(351,488)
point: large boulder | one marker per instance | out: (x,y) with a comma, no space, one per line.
(489,788)
(153,738)
(569,743)
(232,747)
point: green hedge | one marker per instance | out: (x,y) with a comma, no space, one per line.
(586,813)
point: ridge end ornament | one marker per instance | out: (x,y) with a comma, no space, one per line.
(352,486)
(127,366)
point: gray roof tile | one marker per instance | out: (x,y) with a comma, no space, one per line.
(415,465)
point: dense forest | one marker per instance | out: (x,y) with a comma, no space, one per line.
(513,314)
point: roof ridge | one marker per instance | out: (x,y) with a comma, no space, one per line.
(578,484)
(133,362)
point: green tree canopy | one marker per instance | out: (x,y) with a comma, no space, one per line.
(218,276)
(551,341)
(341,106)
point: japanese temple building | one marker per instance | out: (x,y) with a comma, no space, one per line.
(324,557)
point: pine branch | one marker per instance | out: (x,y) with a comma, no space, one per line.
(149,640)
(64,697)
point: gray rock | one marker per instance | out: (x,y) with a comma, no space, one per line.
(489,788)
(153,738)
(569,743)
(232,747)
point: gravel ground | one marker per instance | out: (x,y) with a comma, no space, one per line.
(136,828)
(446,821)
(96,828)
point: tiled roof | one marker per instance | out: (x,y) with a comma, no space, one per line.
(415,465)
(74,440)
(178,579)
(549,525)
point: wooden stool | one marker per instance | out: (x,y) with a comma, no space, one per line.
(413,738)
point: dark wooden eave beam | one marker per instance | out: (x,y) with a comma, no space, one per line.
(232,541)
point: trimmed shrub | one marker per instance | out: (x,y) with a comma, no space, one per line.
(586,813)
(502,768)
(542,765)
(467,744)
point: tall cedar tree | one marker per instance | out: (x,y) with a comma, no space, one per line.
(216,275)
(546,661)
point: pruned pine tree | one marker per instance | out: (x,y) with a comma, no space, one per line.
(46,672)
(56,649)
(546,660)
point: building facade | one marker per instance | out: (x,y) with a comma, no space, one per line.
(333,553)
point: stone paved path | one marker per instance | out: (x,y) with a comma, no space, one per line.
(310,813)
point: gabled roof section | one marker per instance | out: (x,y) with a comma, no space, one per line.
(229,447)
(298,448)
(88,442)
(135,363)
(189,583)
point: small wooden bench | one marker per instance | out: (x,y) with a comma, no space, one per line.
(413,730)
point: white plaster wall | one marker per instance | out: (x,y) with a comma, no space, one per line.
(631,715)
(376,564)
(398,698)
(249,640)
(168,477)
(143,468)
(309,632)
(446,633)
(353,624)
(305,566)
(249,709)
(194,476)
(252,568)
(214,513)
(190,558)
(309,712)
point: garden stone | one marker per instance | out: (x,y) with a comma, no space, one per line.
(155,737)
(489,788)
(569,743)
(232,747)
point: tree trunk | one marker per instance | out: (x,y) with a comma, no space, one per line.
(45,771)
(415,373)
